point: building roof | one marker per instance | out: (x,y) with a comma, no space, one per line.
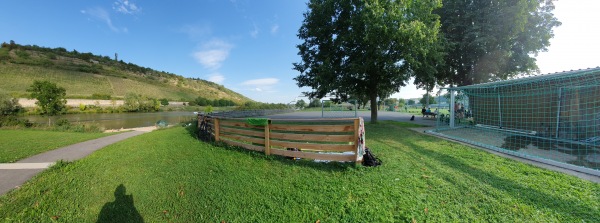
(594,73)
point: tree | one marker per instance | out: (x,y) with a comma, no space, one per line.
(132,101)
(424,101)
(50,98)
(9,106)
(164,102)
(364,47)
(315,102)
(411,102)
(401,102)
(390,101)
(493,40)
(300,103)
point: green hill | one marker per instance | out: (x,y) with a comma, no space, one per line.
(85,75)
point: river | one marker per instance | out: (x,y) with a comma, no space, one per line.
(120,120)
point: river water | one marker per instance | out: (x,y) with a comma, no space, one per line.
(120,120)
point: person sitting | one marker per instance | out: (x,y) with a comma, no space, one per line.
(423,110)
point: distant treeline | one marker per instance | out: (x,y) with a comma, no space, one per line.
(249,105)
(200,101)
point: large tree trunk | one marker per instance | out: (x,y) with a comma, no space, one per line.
(374,106)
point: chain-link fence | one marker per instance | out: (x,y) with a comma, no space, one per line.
(330,109)
(553,118)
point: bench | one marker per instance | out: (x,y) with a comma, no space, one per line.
(429,114)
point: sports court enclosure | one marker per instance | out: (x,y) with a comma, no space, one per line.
(552,118)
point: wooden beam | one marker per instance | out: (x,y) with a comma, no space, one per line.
(314,156)
(243,138)
(313,146)
(312,128)
(242,132)
(246,146)
(312,137)
(216,129)
(268,138)
(240,124)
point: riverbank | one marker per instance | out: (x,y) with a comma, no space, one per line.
(30,103)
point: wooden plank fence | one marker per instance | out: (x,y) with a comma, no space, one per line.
(322,139)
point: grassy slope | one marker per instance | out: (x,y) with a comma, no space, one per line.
(169,176)
(112,81)
(19,144)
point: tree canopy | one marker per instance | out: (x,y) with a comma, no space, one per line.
(50,97)
(493,40)
(424,99)
(300,104)
(364,47)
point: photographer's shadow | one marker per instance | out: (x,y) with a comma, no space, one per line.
(120,210)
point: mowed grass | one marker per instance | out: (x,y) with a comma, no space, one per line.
(168,176)
(19,144)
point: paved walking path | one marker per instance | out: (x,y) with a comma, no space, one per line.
(13,175)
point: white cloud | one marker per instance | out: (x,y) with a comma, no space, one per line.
(261,85)
(196,31)
(102,15)
(254,32)
(216,77)
(274,29)
(213,54)
(261,82)
(126,7)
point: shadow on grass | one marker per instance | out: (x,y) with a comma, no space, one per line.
(192,130)
(120,210)
(527,195)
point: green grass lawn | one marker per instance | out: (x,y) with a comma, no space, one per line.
(19,144)
(168,176)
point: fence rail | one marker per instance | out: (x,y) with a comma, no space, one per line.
(323,139)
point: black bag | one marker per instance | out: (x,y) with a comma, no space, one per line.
(369,159)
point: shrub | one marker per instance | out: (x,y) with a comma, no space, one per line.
(22,54)
(6,121)
(9,105)
(62,122)
(164,101)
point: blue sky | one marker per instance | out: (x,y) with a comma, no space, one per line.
(247,46)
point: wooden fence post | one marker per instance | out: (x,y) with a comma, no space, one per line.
(216,129)
(267,138)
(356,138)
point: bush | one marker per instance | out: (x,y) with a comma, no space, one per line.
(9,106)
(12,121)
(164,101)
(22,54)
(62,122)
